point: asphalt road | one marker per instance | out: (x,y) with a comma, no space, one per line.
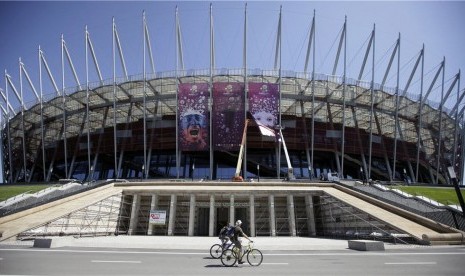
(106,261)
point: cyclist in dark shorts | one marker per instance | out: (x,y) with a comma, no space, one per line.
(223,236)
(235,239)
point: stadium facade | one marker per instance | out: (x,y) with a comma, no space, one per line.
(188,124)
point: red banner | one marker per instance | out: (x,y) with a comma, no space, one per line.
(228,115)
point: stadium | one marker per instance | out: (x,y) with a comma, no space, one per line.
(210,125)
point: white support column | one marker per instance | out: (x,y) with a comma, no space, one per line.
(313,101)
(89,172)
(252,214)
(10,174)
(172,215)
(231,210)
(134,215)
(64,106)
(344,87)
(396,120)
(310,215)
(179,66)
(144,166)
(372,91)
(211,223)
(212,68)
(191,216)
(291,214)
(272,216)
(153,206)
(246,91)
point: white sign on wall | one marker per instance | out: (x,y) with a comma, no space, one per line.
(157,217)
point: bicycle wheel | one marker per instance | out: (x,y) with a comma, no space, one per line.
(216,250)
(254,257)
(228,258)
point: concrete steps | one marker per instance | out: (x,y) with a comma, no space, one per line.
(363,210)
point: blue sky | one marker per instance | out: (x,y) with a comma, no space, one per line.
(26,25)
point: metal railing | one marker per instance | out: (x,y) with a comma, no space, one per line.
(48,195)
(98,219)
(443,214)
(347,222)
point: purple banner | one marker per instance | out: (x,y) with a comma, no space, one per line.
(228,115)
(264,103)
(193,116)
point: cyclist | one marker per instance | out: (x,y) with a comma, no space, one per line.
(235,239)
(223,236)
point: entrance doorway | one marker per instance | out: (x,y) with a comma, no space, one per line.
(318,216)
(203,222)
(241,213)
(222,218)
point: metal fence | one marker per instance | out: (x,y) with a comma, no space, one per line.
(27,200)
(443,214)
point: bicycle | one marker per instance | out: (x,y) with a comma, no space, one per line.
(217,249)
(229,257)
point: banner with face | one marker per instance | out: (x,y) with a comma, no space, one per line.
(264,103)
(193,116)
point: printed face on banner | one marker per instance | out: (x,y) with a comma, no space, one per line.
(193,117)
(264,103)
(228,115)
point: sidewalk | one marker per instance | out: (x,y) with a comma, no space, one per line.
(198,243)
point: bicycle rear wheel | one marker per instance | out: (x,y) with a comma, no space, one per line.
(228,258)
(254,257)
(216,250)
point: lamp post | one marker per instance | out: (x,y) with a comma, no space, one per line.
(143,173)
(310,173)
(279,158)
(258,172)
(91,173)
(193,169)
(361,174)
(405,176)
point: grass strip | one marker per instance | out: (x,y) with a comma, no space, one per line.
(7,191)
(444,195)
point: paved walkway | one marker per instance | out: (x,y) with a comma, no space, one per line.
(197,243)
